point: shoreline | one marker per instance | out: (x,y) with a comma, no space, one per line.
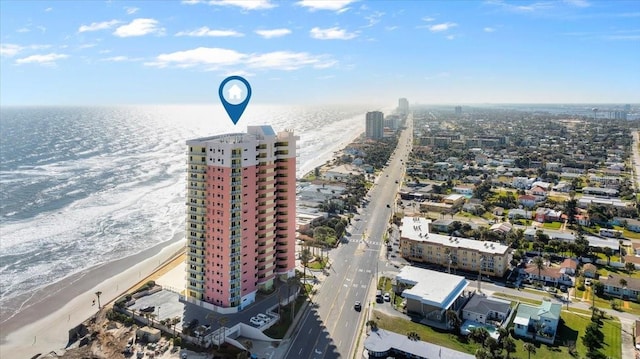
(50,319)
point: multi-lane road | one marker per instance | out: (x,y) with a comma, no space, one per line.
(329,328)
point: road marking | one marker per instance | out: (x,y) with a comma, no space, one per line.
(363,286)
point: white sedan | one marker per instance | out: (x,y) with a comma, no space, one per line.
(256,321)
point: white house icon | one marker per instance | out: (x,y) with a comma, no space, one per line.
(235,93)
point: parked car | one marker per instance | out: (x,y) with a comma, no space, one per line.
(256,321)
(149,309)
(387,297)
(263,317)
(587,281)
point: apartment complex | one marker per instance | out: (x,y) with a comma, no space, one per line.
(374,126)
(417,244)
(240,224)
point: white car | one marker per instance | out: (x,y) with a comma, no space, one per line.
(256,321)
(263,317)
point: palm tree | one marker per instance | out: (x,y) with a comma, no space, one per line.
(539,263)
(623,284)
(608,252)
(630,268)
(509,345)
(453,320)
(529,348)
(98,294)
(305,257)
(413,336)
(503,333)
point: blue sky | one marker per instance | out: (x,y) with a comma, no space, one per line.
(149,52)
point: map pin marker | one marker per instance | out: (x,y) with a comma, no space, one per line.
(234,108)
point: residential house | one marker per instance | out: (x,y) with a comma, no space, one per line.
(597,191)
(539,193)
(527,200)
(589,270)
(548,275)
(502,228)
(569,266)
(519,213)
(613,287)
(632,224)
(463,190)
(538,322)
(497,211)
(486,310)
(547,215)
(454,199)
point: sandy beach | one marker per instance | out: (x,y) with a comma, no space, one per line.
(44,325)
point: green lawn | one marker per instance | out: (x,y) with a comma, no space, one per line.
(552,225)
(605,303)
(384,284)
(571,329)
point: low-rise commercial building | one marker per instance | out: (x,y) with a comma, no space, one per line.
(417,244)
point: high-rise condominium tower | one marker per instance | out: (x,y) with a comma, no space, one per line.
(374,126)
(241,205)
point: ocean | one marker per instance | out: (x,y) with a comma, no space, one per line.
(84,186)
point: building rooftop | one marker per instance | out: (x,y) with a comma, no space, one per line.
(417,229)
(382,341)
(442,295)
(481,304)
(545,310)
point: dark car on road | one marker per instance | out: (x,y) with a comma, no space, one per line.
(357,306)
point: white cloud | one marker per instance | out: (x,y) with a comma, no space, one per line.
(41,28)
(139,27)
(10,50)
(48,59)
(269,34)
(533,7)
(332,5)
(223,59)
(95,26)
(205,31)
(87,46)
(428,19)
(578,3)
(49,9)
(283,60)
(120,59)
(442,27)
(244,4)
(198,56)
(391,28)
(374,18)
(333,33)
(489,29)
(23,29)
(451,37)
(131,10)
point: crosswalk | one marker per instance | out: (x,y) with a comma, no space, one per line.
(371,243)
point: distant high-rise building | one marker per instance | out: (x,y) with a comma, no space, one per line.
(375,125)
(403,106)
(620,115)
(627,108)
(241,207)
(458,110)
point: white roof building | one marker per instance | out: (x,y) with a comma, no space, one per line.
(425,290)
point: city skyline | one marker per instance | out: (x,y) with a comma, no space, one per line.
(109,53)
